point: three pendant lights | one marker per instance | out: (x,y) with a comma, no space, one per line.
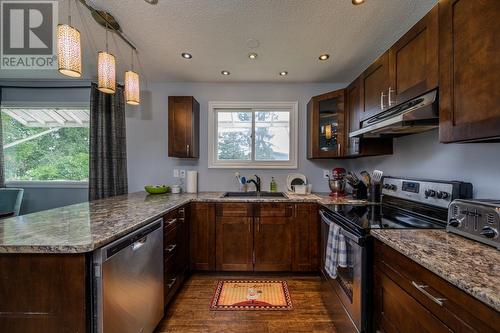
(69,59)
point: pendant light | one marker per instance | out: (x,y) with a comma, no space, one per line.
(106,69)
(132,88)
(69,51)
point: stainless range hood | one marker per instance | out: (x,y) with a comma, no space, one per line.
(417,115)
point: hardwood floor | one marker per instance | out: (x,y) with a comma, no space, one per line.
(189,311)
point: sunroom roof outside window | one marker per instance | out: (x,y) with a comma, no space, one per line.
(46,143)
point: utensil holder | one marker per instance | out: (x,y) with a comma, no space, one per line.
(360,192)
(374,192)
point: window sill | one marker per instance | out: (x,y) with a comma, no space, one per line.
(46,184)
(252,165)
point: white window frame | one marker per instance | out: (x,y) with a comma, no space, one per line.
(292,107)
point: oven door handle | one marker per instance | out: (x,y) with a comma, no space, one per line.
(344,232)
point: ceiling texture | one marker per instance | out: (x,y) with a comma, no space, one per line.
(291,34)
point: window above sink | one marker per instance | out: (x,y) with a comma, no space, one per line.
(253,135)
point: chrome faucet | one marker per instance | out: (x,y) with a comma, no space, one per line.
(256,182)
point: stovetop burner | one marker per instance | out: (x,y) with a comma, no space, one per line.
(406,204)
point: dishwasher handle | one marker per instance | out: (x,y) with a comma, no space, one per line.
(136,240)
(140,243)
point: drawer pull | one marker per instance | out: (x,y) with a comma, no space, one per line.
(172,282)
(172,221)
(171,247)
(421,288)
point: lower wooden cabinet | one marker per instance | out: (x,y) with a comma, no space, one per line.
(305,238)
(409,298)
(234,249)
(273,238)
(266,237)
(175,251)
(202,236)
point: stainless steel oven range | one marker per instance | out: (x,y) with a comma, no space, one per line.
(405,204)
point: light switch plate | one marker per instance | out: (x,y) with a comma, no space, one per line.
(176,173)
(326,174)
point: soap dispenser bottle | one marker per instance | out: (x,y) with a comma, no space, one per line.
(273,187)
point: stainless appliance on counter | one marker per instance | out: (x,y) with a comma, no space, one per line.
(405,204)
(414,116)
(128,282)
(476,219)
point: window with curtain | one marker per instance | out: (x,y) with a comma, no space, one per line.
(45,140)
(253,135)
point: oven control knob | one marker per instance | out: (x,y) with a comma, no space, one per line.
(393,187)
(443,195)
(454,223)
(386,186)
(430,193)
(489,232)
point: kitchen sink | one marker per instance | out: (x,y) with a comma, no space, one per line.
(253,195)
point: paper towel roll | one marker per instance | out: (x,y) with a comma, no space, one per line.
(192,182)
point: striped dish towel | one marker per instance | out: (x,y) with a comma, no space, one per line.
(336,251)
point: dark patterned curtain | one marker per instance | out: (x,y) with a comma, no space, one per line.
(2,172)
(108,148)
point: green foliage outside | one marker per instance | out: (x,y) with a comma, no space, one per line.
(237,145)
(59,155)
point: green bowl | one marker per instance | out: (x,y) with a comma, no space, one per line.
(157,189)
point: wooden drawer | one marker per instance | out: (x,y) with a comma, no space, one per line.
(458,310)
(273,209)
(234,209)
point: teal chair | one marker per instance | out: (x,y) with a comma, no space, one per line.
(10,201)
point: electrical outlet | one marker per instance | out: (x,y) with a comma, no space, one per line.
(182,173)
(176,173)
(326,174)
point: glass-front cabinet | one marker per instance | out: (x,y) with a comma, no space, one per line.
(326,125)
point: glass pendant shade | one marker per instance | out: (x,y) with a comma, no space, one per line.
(106,73)
(69,51)
(132,95)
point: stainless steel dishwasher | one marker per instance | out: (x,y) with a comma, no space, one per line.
(128,282)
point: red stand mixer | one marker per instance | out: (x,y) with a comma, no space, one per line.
(337,183)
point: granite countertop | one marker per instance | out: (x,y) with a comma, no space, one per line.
(471,266)
(86,226)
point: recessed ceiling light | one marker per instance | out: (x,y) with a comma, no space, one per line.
(283,73)
(225,73)
(186,55)
(152,2)
(324,57)
(357,2)
(252,56)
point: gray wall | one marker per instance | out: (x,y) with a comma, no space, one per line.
(422,156)
(147,134)
(415,156)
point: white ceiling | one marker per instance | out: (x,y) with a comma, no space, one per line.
(291,34)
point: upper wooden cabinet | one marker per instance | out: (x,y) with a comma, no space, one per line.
(183,127)
(469,68)
(413,61)
(375,82)
(356,147)
(326,125)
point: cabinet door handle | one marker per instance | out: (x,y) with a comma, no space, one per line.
(257,221)
(170,248)
(187,150)
(391,91)
(339,149)
(172,221)
(382,96)
(172,282)
(421,288)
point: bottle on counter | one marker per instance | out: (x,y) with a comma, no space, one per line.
(273,186)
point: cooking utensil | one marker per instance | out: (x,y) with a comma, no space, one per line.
(366,178)
(377,176)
